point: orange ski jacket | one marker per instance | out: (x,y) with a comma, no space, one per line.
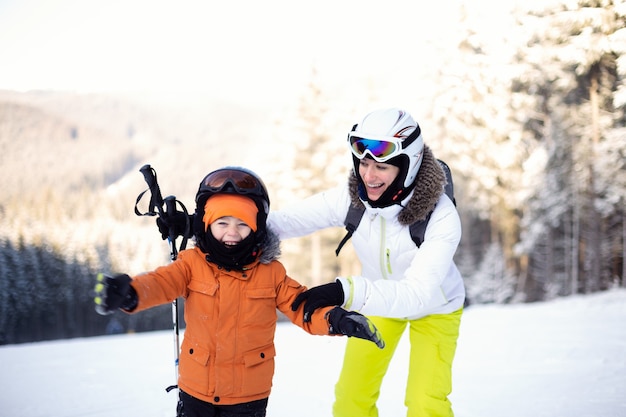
(227,354)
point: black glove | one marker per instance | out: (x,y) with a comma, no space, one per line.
(113,293)
(353,324)
(176,223)
(317,297)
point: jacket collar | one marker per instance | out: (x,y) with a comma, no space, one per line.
(270,248)
(429,186)
(270,251)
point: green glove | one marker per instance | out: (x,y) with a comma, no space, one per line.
(113,293)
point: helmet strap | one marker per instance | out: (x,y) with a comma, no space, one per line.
(411,138)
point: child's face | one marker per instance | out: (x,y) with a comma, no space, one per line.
(229,230)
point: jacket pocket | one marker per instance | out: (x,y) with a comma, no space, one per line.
(260,313)
(259,370)
(261,293)
(194,360)
(203,287)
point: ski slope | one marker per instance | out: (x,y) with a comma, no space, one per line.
(562,358)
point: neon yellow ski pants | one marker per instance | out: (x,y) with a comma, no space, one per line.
(433,344)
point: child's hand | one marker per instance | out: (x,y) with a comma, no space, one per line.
(353,324)
(178,224)
(113,293)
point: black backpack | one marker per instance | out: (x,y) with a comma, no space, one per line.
(417,229)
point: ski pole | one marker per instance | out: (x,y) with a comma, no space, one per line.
(157,201)
(170,208)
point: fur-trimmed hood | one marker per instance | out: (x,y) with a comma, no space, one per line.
(429,186)
(270,248)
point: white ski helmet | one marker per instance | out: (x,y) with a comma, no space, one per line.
(389,136)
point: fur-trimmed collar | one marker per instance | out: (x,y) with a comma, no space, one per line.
(270,248)
(429,185)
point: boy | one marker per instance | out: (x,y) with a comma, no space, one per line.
(233,284)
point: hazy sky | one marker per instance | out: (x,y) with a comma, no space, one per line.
(245,50)
(245,47)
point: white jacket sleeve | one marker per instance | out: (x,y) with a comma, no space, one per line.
(426,284)
(322,210)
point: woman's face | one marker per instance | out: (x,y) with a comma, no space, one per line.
(229,230)
(377,177)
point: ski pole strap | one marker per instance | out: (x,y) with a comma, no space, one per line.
(137,212)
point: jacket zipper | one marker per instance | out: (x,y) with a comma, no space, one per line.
(385,265)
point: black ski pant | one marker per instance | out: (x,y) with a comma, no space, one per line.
(189,406)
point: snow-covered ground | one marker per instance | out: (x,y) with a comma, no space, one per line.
(561,358)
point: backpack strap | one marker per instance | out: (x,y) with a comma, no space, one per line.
(352,220)
(418,230)
(449,188)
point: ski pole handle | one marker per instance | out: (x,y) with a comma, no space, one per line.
(156,200)
(170,205)
(170,210)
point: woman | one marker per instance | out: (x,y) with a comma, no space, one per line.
(398,181)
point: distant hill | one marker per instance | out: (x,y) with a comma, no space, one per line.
(69,141)
(69,169)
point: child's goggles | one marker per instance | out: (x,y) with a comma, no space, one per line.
(380,148)
(241,181)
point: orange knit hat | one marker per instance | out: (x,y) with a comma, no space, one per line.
(221,205)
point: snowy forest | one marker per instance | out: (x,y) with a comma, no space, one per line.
(531,122)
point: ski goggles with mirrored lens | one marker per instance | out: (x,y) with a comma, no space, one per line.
(381,149)
(241,181)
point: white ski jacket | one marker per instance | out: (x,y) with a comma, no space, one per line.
(397,280)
